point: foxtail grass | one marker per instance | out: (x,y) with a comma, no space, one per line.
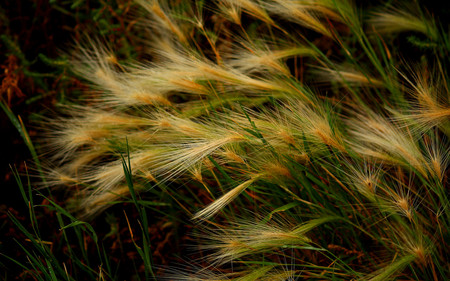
(297,135)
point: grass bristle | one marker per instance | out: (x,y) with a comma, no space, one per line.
(293,139)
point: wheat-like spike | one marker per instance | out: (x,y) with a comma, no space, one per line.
(399,20)
(355,166)
(223,201)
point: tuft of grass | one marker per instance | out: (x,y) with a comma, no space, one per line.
(297,136)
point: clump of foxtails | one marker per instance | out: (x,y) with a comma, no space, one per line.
(298,136)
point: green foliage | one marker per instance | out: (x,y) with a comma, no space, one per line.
(295,140)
